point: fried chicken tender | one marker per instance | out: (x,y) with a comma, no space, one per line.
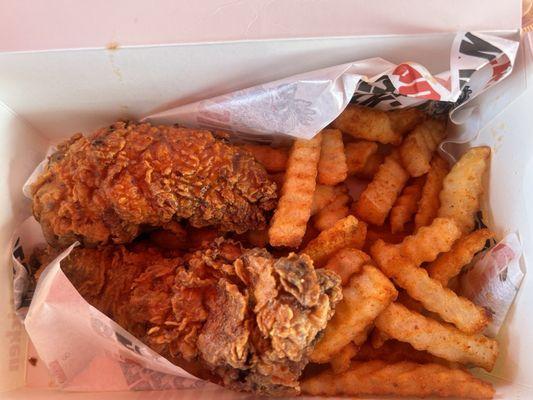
(248,318)
(105,188)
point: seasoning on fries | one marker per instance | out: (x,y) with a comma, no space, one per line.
(462,188)
(366,295)
(347,262)
(357,155)
(404,378)
(273,159)
(439,339)
(415,280)
(429,203)
(405,206)
(377,199)
(332,168)
(294,206)
(418,147)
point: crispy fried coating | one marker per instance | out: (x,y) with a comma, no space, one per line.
(107,187)
(248,318)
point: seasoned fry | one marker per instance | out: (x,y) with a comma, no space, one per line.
(417,148)
(382,232)
(332,168)
(273,159)
(341,361)
(331,213)
(404,378)
(343,234)
(347,262)
(441,340)
(377,199)
(426,244)
(462,188)
(371,166)
(358,154)
(406,205)
(366,295)
(393,351)
(429,203)
(294,207)
(451,308)
(449,264)
(324,195)
(376,125)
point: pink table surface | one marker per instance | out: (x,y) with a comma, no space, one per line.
(56,24)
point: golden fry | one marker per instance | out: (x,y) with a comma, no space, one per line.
(449,264)
(462,188)
(347,262)
(405,378)
(406,205)
(342,360)
(429,203)
(324,195)
(343,234)
(378,338)
(332,168)
(294,207)
(426,244)
(331,213)
(273,159)
(365,297)
(441,340)
(417,148)
(377,199)
(357,155)
(371,166)
(447,304)
(376,125)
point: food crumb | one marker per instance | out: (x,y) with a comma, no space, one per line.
(32,361)
(112,46)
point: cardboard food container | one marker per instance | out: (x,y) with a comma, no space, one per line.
(46,96)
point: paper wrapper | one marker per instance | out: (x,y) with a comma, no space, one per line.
(85,350)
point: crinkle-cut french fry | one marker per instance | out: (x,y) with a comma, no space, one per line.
(357,155)
(294,206)
(393,351)
(429,203)
(343,234)
(273,159)
(376,201)
(342,360)
(459,311)
(382,232)
(337,209)
(332,168)
(376,125)
(426,244)
(347,262)
(462,188)
(418,147)
(449,264)
(404,378)
(406,205)
(324,195)
(441,340)
(371,166)
(366,295)
(359,238)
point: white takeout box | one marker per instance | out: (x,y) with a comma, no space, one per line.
(45,96)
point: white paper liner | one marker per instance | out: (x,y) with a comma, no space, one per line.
(85,350)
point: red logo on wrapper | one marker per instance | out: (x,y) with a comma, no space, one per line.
(414,83)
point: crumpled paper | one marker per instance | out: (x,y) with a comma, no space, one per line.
(85,350)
